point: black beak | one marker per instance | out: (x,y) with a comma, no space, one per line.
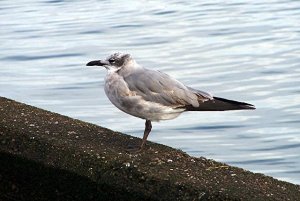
(97,63)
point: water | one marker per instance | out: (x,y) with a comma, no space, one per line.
(243,50)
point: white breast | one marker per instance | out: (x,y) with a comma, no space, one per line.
(128,101)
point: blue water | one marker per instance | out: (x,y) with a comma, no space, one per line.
(243,50)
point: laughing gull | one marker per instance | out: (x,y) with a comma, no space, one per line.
(153,95)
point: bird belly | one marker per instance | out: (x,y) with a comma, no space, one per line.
(135,105)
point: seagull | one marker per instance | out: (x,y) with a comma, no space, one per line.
(153,95)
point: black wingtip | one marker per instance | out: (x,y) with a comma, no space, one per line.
(240,105)
(248,106)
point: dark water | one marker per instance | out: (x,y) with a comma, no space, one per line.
(243,50)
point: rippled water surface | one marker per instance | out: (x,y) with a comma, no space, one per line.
(243,50)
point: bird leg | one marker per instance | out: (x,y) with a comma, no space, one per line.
(148,127)
(134,149)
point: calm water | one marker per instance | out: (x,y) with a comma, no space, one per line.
(243,50)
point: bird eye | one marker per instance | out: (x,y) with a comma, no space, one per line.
(111,60)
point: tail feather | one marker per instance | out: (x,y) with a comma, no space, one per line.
(220,104)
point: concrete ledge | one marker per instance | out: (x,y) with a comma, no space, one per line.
(47,156)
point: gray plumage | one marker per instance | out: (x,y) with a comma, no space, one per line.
(153,95)
(155,86)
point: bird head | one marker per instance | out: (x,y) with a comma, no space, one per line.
(114,62)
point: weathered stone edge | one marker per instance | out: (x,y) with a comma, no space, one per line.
(42,140)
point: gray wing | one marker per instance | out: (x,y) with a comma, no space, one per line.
(159,87)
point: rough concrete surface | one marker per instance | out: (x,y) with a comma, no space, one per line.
(47,156)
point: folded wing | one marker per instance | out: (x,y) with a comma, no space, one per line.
(155,86)
(158,87)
